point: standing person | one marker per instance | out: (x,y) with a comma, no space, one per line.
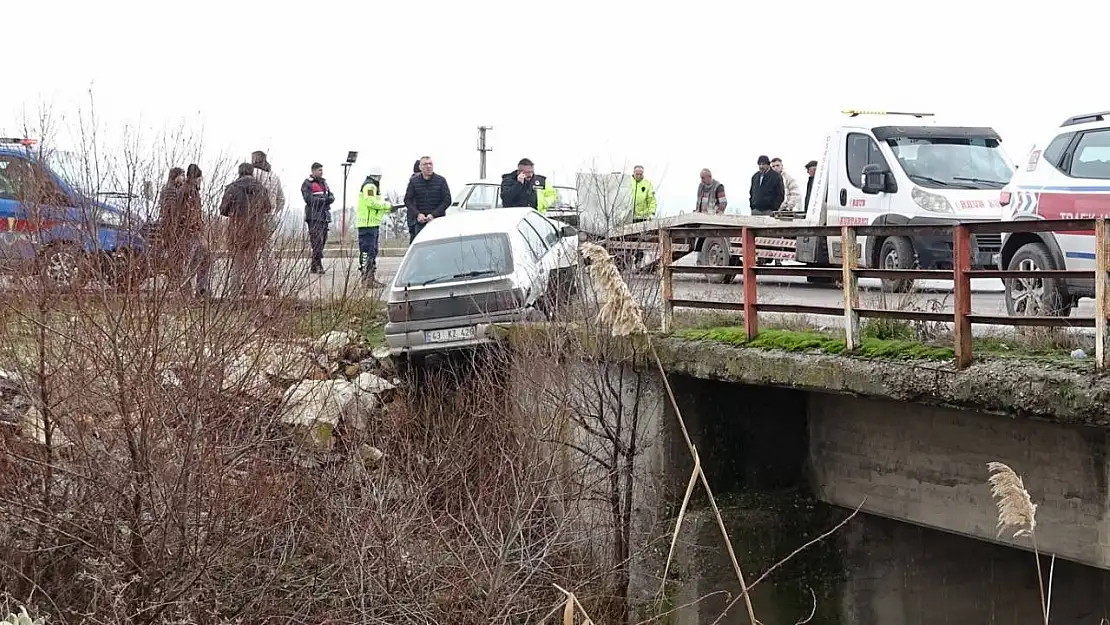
(371,210)
(318,199)
(524,187)
(264,173)
(643,196)
(790,187)
(426,197)
(811,169)
(190,258)
(247,205)
(168,195)
(767,192)
(711,195)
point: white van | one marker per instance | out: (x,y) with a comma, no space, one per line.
(1067,176)
(469,270)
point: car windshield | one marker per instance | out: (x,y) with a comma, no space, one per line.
(953,162)
(456,258)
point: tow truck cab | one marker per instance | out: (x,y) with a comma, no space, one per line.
(45,217)
(877,168)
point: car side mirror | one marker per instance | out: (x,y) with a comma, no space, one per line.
(876,180)
(568,231)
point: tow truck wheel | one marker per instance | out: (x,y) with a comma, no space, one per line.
(63,266)
(1039,297)
(896,253)
(715,252)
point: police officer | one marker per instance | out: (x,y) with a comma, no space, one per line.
(371,210)
(643,196)
(524,187)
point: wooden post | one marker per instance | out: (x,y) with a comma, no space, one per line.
(1101,266)
(751,316)
(666,280)
(961,288)
(850,262)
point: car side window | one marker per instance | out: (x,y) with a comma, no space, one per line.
(482,198)
(532,239)
(1091,158)
(545,228)
(1054,153)
(9,183)
(862,150)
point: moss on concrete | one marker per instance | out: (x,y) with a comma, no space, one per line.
(813,341)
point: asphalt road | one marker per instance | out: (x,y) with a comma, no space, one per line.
(936,296)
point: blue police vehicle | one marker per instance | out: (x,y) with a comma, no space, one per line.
(70,237)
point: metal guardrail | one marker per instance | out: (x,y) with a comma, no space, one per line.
(850,272)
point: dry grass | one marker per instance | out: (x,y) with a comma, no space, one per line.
(1016,511)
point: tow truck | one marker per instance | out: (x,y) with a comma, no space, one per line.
(70,233)
(876,168)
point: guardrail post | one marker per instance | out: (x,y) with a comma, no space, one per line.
(751,316)
(666,279)
(1101,266)
(850,262)
(961,289)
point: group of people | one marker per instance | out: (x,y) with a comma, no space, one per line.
(427,197)
(773,190)
(248,203)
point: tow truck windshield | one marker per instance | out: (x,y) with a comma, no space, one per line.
(956,163)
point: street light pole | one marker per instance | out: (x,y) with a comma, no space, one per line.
(351,156)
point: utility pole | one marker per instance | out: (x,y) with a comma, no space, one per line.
(482,149)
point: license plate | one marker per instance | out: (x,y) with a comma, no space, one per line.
(447,335)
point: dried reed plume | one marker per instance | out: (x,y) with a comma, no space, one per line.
(620,311)
(1017,511)
(1015,508)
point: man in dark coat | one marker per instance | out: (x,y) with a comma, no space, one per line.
(811,169)
(318,199)
(426,198)
(247,205)
(767,192)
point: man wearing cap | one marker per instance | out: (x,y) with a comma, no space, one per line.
(811,169)
(767,192)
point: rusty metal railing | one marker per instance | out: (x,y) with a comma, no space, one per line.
(849,274)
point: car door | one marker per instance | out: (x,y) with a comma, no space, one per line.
(539,267)
(852,206)
(15,233)
(561,257)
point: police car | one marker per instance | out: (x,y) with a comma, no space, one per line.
(73,235)
(1066,176)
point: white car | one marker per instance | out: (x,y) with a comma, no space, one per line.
(1067,176)
(486,194)
(471,269)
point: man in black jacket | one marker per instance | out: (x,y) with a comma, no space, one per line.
(247,205)
(426,198)
(767,192)
(524,187)
(318,199)
(811,169)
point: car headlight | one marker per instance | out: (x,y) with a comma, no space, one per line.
(111,219)
(931,202)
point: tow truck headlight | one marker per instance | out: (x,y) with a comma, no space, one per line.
(931,202)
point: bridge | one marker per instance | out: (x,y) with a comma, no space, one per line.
(902,437)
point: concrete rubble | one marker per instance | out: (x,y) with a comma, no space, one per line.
(323,390)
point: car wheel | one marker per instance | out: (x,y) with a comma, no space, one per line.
(1036,297)
(716,252)
(64,266)
(896,253)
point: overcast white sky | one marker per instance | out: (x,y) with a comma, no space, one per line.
(674,86)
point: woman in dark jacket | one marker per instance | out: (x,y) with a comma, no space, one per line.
(184,231)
